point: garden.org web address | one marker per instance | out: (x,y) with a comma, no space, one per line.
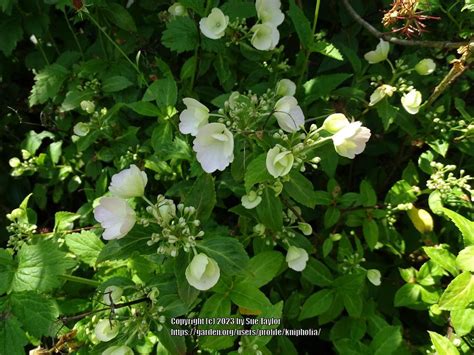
(248,332)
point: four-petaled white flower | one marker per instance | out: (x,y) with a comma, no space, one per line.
(268,11)
(286,87)
(380,93)
(214,25)
(195,116)
(265,36)
(289,114)
(118,350)
(425,66)
(411,101)
(279,162)
(106,330)
(251,200)
(116,216)
(351,139)
(379,54)
(129,183)
(202,272)
(374,276)
(214,147)
(297,258)
(112,295)
(335,122)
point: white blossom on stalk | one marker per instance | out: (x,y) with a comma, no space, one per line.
(411,101)
(118,350)
(265,36)
(374,276)
(335,122)
(289,114)
(380,93)
(195,116)
(351,139)
(129,183)
(297,258)
(425,66)
(268,11)
(379,54)
(112,294)
(214,25)
(214,147)
(106,330)
(286,87)
(279,162)
(116,216)
(202,272)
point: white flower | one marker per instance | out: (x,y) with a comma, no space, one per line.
(289,114)
(279,163)
(112,294)
(115,216)
(425,66)
(88,106)
(214,147)
(251,200)
(373,275)
(268,11)
(194,117)
(351,139)
(265,36)
(177,9)
(81,129)
(106,330)
(129,183)
(411,101)
(118,350)
(285,87)
(296,258)
(335,122)
(380,93)
(379,54)
(202,272)
(214,25)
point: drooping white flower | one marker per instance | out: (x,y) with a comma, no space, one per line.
(251,200)
(116,216)
(379,54)
(289,114)
(335,122)
(265,36)
(81,129)
(118,350)
(214,25)
(268,11)
(297,258)
(351,140)
(411,101)
(106,330)
(195,116)
(129,183)
(279,162)
(214,147)
(425,66)
(380,93)
(286,87)
(373,275)
(202,272)
(177,9)
(112,294)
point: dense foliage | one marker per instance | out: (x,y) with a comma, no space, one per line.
(236,177)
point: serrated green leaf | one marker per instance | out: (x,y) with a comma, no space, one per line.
(371,232)
(64,220)
(465,226)
(48,82)
(86,246)
(7,270)
(11,32)
(322,86)
(181,35)
(462,320)
(164,91)
(186,292)
(74,98)
(12,337)
(120,17)
(401,192)
(353,303)
(368,197)
(326,48)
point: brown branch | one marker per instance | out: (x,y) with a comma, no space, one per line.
(390,38)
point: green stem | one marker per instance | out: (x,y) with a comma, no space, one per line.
(73,35)
(40,47)
(391,66)
(148,201)
(80,280)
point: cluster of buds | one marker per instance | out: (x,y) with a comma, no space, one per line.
(450,186)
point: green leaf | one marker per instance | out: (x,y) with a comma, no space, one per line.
(351,347)
(202,196)
(227,251)
(300,189)
(353,303)
(164,91)
(465,226)
(409,295)
(442,344)
(86,246)
(350,283)
(239,8)
(459,293)
(326,49)
(7,271)
(270,211)
(196,5)
(317,273)
(386,341)
(322,86)
(11,32)
(174,344)
(48,82)
(64,220)
(39,267)
(36,312)
(12,337)
(216,306)
(144,108)
(348,327)
(181,35)
(256,172)
(387,113)
(34,140)
(120,17)
(317,304)
(55,151)
(463,321)
(371,232)
(116,83)
(443,258)
(401,192)
(368,197)
(302,25)
(248,296)
(465,259)
(331,216)
(74,98)
(263,267)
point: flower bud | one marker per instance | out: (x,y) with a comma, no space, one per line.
(296,258)
(259,229)
(373,275)
(411,101)
(14,162)
(425,66)
(251,200)
(278,162)
(88,106)
(106,330)
(177,9)
(202,272)
(421,219)
(286,87)
(81,129)
(305,228)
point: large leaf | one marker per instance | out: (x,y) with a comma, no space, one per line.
(317,304)
(443,258)
(164,91)
(465,226)
(317,273)
(465,259)
(227,251)
(7,270)
(48,82)
(187,293)
(86,246)
(270,211)
(302,25)
(442,344)
(202,196)
(12,337)
(386,341)
(263,267)
(247,295)
(181,35)
(120,17)
(459,293)
(256,172)
(301,190)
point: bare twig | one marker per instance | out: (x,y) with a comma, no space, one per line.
(390,38)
